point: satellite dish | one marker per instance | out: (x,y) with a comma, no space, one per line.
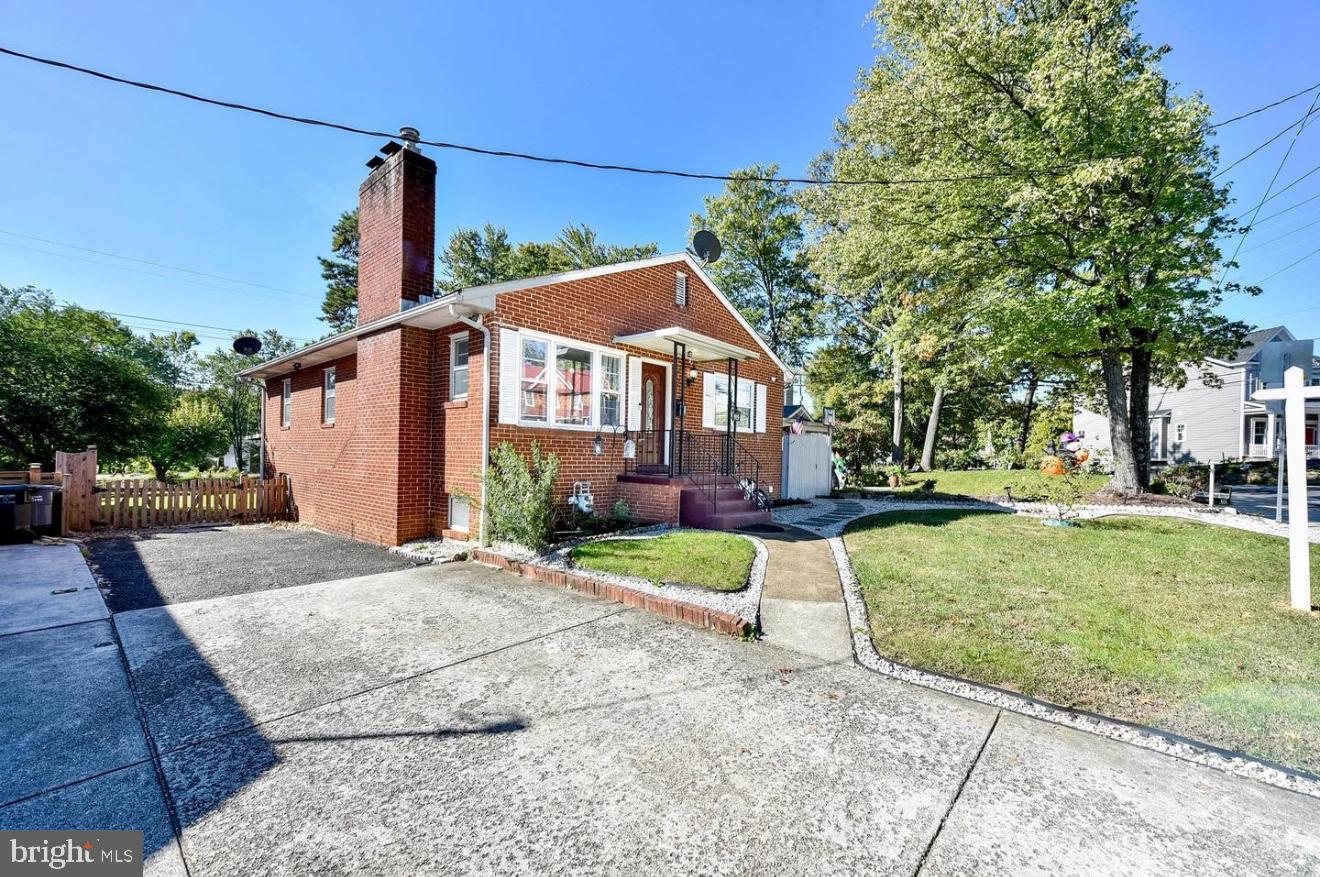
(706,246)
(247,345)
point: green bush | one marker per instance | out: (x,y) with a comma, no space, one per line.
(1061,492)
(519,496)
(957,459)
(1182,480)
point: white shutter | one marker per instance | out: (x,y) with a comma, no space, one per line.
(634,394)
(708,400)
(760,407)
(510,356)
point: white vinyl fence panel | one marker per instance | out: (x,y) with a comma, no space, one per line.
(807,465)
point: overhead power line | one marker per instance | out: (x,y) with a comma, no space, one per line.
(526,156)
(1269,106)
(29,237)
(1302,121)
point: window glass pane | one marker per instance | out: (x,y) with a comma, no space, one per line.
(285,398)
(533,380)
(722,401)
(572,385)
(746,399)
(458,385)
(611,390)
(461,352)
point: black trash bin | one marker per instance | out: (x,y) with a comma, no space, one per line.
(15,510)
(43,499)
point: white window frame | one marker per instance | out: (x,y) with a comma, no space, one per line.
(328,394)
(722,379)
(620,415)
(286,403)
(1180,433)
(552,345)
(454,341)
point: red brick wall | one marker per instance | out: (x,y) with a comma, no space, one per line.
(598,309)
(385,470)
(396,227)
(654,503)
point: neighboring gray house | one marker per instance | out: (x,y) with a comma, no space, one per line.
(1202,423)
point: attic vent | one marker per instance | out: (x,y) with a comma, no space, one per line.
(680,289)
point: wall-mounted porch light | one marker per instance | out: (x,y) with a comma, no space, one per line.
(692,376)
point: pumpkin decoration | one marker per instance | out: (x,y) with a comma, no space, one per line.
(1053,466)
(1083,455)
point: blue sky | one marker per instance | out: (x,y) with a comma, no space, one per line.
(684,84)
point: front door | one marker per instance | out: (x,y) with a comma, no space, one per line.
(653,443)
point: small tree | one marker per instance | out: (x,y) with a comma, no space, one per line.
(519,495)
(340,272)
(194,433)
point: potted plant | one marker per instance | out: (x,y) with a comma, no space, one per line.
(895,473)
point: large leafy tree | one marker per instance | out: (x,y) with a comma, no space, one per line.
(1068,207)
(70,377)
(474,257)
(764,268)
(238,401)
(340,272)
(193,433)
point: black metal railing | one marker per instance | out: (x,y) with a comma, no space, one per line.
(704,458)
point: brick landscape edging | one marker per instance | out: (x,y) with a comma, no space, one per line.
(1115,729)
(675,610)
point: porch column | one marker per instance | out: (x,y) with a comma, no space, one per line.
(678,371)
(731,424)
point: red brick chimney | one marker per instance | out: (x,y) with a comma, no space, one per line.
(396,227)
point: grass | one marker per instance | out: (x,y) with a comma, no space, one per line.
(984,483)
(718,561)
(1179,625)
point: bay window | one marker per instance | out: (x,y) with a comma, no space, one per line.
(573,389)
(568,384)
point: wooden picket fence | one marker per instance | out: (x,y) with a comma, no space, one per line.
(138,502)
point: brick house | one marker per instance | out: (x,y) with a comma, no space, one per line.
(624,371)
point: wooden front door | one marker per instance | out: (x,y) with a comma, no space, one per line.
(653,442)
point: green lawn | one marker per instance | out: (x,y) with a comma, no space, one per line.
(1179,625)
(719,561)
(985,483)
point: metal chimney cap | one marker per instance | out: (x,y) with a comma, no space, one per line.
(410,136)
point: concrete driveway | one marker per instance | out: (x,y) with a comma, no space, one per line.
(460,720)
(174,566)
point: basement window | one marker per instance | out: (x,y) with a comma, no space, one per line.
(459,513)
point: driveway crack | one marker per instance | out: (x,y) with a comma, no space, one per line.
(953,802)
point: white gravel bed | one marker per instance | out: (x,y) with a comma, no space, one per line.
(745,604)
(434,550)
(799,515)
(1147,738)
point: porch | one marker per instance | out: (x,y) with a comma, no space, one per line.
(709,477)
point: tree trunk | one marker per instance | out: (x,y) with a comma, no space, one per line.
(896,437)
(1139,413)
(932,430)
(1028,409)
(1125,479)
(160,469)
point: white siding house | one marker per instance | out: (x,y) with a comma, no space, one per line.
(1200,422)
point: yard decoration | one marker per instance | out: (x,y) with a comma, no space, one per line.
(1054,466)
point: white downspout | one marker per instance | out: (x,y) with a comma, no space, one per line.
(485,413)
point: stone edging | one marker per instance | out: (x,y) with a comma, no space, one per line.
(1138,735)
(733,613)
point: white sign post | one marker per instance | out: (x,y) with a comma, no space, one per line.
(1294,394)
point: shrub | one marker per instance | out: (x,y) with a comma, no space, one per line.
(1182,480)
(519,495)
(957,459)
(1060,492)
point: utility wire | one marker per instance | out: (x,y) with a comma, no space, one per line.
(525,156)
(1265,219)
(1302,121)
(29,237)
(1268,106)
(190,325)
(1278,170)
(1289,266)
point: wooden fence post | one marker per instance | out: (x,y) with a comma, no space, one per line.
(34,473)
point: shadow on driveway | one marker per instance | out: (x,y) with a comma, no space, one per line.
(176,566)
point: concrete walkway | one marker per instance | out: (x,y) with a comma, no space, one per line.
(73,749)
(802,605)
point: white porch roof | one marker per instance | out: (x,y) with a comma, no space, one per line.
(701,348)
